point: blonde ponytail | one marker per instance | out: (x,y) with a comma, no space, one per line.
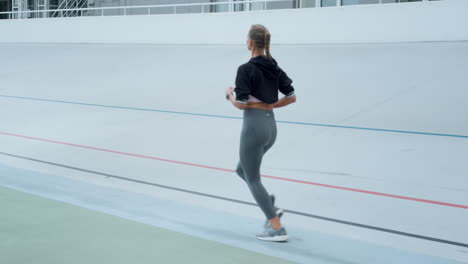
(261,37)
(267,44)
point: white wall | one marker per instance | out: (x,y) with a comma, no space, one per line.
(407,22)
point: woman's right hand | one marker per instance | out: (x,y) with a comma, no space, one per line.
(284,101)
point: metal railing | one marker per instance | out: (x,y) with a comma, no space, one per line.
(77,4)
(213,7)
(229,6)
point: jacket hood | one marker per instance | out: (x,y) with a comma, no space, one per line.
(269,67)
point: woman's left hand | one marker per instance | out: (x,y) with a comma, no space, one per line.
(229,91)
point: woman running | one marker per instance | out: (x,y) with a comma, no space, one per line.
(257,84)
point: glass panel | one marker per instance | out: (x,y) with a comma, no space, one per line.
(257,6)
(154,10)
(308,3)
(239,7)
(223,7)
(400,1)
(189,9)
(359,2)
(286,4)
(4,8)
(328,2)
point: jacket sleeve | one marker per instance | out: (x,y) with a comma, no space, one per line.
(285,86)
(243,84)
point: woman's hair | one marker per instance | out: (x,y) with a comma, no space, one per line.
(261,38)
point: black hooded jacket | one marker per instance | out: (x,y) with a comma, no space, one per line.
(262,78)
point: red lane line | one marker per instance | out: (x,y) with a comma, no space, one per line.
(229,170)
(369,192)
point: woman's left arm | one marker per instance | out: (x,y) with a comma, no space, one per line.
(232,99)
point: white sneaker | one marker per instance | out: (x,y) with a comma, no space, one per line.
(270,234)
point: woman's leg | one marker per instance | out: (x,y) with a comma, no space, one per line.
(251,164)
(275,222)
(252,148)
(240,171)
(257,137)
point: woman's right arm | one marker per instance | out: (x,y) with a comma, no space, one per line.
(287,89)
(284,101)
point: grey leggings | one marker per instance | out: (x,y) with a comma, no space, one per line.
(257,136)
